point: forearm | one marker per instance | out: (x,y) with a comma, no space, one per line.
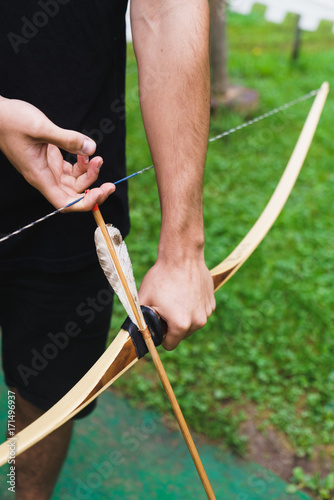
(171,45)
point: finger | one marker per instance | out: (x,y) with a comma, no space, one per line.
(93,196)
(54,163)
(81,166)
(86,173)
(69,140)
(81,176)
(84,163)
(175,334)
(171,341)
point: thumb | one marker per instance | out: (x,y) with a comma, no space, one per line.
(69,140)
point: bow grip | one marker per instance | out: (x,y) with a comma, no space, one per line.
(156,325)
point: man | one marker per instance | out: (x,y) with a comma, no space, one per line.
(67,57)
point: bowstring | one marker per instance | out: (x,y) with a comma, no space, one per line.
(212,139)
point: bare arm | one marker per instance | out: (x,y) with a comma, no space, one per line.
(171,46)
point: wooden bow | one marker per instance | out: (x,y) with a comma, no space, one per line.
(121,354)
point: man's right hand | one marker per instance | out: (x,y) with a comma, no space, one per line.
(31,143)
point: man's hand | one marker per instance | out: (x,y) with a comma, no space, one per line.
(182,295)
(30,141)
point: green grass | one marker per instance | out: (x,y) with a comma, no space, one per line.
(270,342)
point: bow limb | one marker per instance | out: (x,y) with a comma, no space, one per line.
(121,354)
(117,359)
(253,238)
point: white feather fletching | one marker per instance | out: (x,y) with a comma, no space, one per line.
(110,270)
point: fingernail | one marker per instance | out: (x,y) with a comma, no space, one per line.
(88,147)
(100,164)
(86,159)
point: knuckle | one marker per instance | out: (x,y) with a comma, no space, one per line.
(211,307)
(37,128)
(200,320)
(184,325)
(171,341)
(71,143)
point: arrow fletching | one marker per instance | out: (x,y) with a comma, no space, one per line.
(111,272)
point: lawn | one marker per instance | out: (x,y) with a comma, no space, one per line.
(265,359)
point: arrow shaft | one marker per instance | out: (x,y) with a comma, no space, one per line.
(156,358)
(180,418)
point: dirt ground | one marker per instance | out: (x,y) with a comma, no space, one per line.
(272,450)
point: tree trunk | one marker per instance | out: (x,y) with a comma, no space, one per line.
(238,98)
(296,45)
(218,50)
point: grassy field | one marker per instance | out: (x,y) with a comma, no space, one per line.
(265,360)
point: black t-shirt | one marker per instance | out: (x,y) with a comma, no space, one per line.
(66,57)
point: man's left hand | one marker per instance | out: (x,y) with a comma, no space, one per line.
(182,295)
